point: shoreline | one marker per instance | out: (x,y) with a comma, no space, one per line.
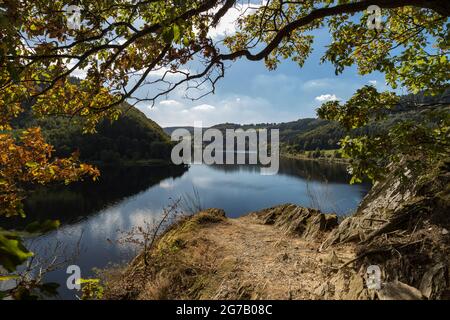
(297,156)
(137,163)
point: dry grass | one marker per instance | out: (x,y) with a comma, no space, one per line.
(178,267)
(207,256)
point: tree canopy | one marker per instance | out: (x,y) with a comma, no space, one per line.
(119,43)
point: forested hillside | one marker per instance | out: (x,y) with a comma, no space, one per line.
(310,134)
(132,139)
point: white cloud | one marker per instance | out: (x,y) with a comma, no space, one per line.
(342,87)
(327,97)
(78,73)
(165,71)
(170,103)
(317,84)
(204,107)
(227,25)
(373,82)
(231,108)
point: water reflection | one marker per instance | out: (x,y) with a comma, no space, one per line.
(71,203)
(310,170)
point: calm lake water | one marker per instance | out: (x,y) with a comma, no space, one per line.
(92,213)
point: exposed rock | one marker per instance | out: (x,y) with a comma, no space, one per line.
(305,222)
(339,285)
(321,290)
(399,291)
(402,226)
(433,281)
(348,230)
(394,197)
(380,212)
(386,200)
(356,289)
(331,259)
(349,285)
(331,221)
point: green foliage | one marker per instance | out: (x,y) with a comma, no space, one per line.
(414,143)
(14,253)
(30,290)
(42,227)
(12,250)
(365,105)
(91,289)
(411,49)
(311,134)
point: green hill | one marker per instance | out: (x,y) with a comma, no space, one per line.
(132,139)
(311,134)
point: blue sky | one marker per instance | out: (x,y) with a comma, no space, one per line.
(250,93)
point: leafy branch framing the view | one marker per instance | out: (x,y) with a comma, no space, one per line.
(120,54)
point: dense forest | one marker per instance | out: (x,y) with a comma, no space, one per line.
(310,134)
(132,139)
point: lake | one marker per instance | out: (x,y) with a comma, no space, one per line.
(92,214)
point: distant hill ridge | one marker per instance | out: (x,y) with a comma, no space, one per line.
(311,133)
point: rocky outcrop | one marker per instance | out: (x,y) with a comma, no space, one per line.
(397,290)
(402,226)
(292,219)
(394,201)
(383,201)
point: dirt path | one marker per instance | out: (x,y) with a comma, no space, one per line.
(209,256)
(269,264)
